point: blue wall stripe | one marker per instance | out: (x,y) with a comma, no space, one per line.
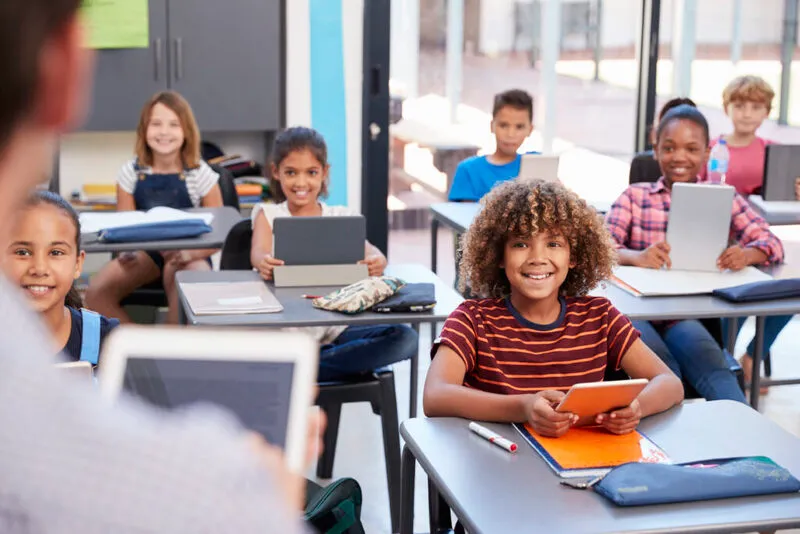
(328,111)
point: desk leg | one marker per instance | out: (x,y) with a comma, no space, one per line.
(434,243)
(438,511)
(407,492)
(732,334)
(758,356)
(413,379)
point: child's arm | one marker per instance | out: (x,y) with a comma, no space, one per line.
(757,245)
(462,188)
(125,200)
(261,248)
(373,259)
(212,199)
(619,221)
(445,395)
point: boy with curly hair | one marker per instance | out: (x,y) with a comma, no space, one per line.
(533,253)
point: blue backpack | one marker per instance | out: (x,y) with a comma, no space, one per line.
(90,340)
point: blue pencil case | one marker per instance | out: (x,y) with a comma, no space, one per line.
(159,231)
(638,484)
(766,290)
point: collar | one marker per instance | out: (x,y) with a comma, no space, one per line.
(659,186)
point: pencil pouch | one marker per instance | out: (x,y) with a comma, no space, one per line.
(359,296)
(637,484)
(409,298)
(159,231)
(766,290)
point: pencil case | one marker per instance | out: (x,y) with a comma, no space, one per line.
(409,298)
(766,290)
(359,296)
(638,484)
(159,231)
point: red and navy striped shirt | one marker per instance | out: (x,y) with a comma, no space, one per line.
(505,353)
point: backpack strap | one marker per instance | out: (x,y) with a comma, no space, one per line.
(90,340)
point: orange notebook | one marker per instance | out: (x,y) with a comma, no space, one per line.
(591,451)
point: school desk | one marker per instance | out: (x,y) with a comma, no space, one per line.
(776,213)
(491,490)
(224,219)
(298,311)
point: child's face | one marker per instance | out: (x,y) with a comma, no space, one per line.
(681,151)
(537,265)
(43,258)
(747,116)
(301,176)
(510,127)
(164,132)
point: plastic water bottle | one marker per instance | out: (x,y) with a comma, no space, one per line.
(718,162)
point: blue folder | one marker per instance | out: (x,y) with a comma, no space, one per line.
(158,231)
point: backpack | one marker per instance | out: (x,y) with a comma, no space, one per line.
(90,339)
(334,509)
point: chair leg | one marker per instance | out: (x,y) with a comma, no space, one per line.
(767,365)
(325,462)
(391,444)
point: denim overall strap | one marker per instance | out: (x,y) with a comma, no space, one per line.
(153,190)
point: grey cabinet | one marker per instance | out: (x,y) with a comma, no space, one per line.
(223,56)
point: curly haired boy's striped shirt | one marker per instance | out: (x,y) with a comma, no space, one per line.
(505,353)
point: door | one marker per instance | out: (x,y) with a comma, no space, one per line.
(225,58)
(125,78)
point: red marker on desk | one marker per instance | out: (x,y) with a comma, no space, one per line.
(495,438)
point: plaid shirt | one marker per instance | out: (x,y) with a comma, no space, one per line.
(639,219)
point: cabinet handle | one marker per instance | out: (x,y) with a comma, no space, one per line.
(158,57)
(178,58)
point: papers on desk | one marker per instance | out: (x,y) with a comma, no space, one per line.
(642,282)
(774,206)
(92,222)
(211,298)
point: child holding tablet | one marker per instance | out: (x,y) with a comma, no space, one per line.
(533,253)
(45,258)
(638,224)
(167,171)
(299,179)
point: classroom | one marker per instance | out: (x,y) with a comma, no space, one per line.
(401,266)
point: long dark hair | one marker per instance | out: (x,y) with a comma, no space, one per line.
(73,298)
(290,140)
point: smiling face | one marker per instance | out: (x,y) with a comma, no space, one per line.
(164,132)
(747,116)
(536,266)
(301,176)
(510,127)
(682,150)
(43,257)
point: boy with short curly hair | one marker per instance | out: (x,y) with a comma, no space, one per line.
(533,253)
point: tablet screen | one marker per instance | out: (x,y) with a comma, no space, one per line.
(259,393)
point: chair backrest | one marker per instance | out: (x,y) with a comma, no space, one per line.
(236,249)
(227,186)
(644,168)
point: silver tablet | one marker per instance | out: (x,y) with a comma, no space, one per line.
(538,167)
(265,378)
(319,240)
(699,225)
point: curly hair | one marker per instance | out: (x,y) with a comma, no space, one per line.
(526,207)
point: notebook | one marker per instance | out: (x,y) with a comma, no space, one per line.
(92,222)
(215,298)
(642,282)
(591,451)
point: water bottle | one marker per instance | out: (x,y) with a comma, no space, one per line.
(718,162)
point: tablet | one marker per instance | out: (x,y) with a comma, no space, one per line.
(538,167)
(81,369)
(699,225)
(593,398)
(781,172)
(265,378)
(319,240)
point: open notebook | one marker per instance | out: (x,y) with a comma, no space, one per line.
(591,451)
(92,222)
(643,282)
(212,298)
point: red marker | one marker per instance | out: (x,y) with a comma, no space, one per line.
(497,439)
(312,296)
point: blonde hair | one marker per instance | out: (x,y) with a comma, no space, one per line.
(190,151)
(748,89)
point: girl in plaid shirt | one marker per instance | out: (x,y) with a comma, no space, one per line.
(638,224)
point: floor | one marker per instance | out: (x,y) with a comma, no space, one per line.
(360,430)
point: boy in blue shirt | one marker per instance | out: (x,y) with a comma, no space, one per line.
(512,123)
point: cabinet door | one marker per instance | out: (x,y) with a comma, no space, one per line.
(125,78)
(225,58)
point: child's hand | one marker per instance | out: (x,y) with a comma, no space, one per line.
(540,410)
(621,421)
(734,258)
(655,256)
(267,266)
(375,264)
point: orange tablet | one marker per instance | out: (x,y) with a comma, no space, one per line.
(592,398)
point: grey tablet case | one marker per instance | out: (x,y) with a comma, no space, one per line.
(781,170)
(319,240)
(699,225)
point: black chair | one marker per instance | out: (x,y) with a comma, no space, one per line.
(644,168)
(377,388)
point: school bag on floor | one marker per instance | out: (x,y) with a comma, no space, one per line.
(334,509)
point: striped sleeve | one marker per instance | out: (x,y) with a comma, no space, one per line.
(459,335)
(621,335)
(204,179)
(126,178)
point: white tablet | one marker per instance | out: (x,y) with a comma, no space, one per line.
(593,398)
(538,167)
(265,378)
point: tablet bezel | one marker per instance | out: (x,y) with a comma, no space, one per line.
(248,345)
(593,398)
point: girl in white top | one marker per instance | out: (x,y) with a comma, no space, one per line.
(299,177)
